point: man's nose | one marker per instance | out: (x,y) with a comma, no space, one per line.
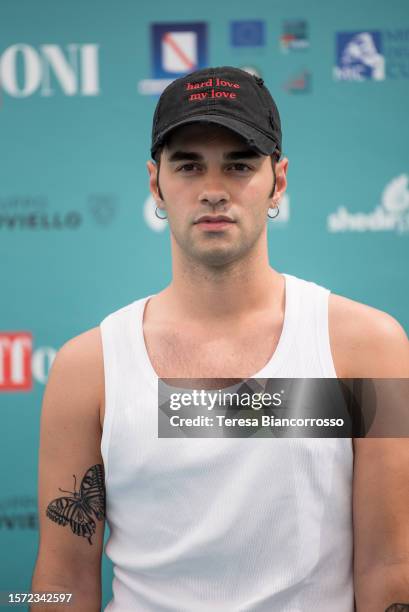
(214,193)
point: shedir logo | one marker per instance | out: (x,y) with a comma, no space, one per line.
(359,56)
(294,36)
(177,49)
(19,364)
(391,215)
(74,70)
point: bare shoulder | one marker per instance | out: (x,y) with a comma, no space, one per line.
(86,346)
(80,362)
(366,342)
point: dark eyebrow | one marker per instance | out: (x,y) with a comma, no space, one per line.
(182,155)
(245,154)
(232,156)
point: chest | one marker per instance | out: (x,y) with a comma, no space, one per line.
(212,353)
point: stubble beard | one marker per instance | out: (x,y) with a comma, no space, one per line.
(207,252)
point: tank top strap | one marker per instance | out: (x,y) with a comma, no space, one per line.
(306,335)
(322,330)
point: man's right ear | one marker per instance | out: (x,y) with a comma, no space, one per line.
(153,185)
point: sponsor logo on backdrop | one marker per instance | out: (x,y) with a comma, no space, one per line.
(34,213)
(372,55)
(20,364)
(177,49)
(103,207)
(247,33)
(18,513)
(40,220)
(391,215)
(15,361)
(299,83)
(359,56)
(72,70)
(294,35)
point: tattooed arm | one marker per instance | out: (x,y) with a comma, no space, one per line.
(71,488)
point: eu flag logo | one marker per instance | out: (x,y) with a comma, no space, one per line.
(247,33)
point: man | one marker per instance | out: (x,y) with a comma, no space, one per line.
(203,524)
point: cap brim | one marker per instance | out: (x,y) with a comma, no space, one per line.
(255,139)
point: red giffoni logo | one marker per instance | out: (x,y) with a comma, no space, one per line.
(213,93)
(15,361)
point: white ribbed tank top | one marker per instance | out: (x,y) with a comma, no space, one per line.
(224,524)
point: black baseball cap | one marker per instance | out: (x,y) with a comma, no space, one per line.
(226,96)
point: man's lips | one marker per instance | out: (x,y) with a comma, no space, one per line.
(214,219)
(213,223)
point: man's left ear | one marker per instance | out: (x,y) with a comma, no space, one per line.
(281,178)
(153,186)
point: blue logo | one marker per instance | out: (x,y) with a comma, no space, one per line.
(247,33)
(359,56)
(178,48)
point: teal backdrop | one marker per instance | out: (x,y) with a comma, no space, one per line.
(78,239)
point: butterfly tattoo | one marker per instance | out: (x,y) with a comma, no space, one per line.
(79,511)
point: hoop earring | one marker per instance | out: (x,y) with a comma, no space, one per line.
(278,212)
(159,217)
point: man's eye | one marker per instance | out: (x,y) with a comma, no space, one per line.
(188,167)
(239,167)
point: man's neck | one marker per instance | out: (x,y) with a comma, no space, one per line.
(214,295)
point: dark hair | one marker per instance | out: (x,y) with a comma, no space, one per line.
(275,158)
